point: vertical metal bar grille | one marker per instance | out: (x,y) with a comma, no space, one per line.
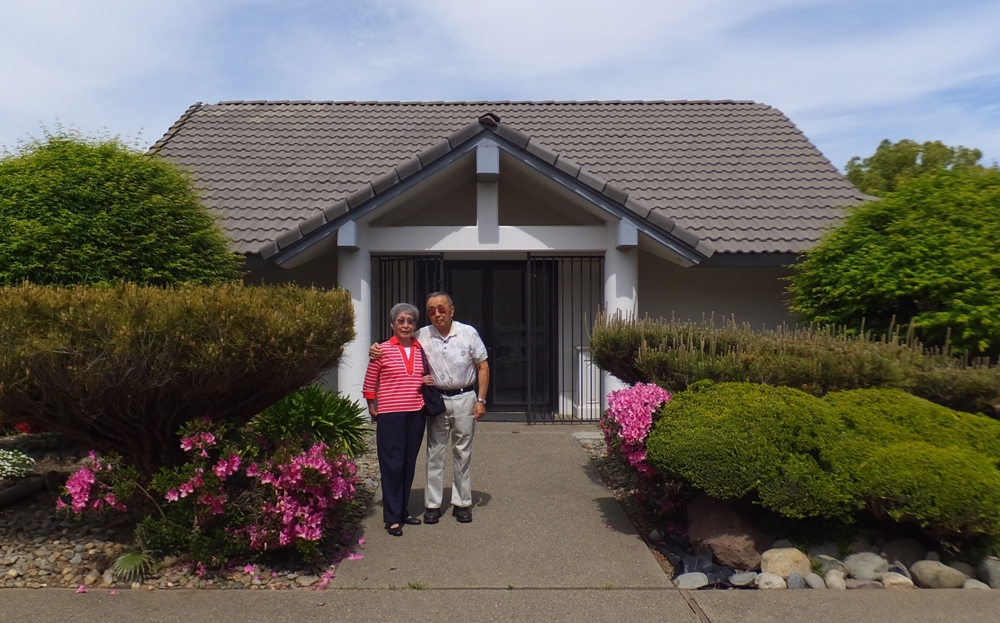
(404,279)
(564,294)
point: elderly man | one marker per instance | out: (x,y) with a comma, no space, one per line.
(457,359)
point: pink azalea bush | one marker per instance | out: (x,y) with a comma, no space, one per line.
(626,426)
(235,495)
(628,419)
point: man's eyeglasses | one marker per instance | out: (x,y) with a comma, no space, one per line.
(439,310)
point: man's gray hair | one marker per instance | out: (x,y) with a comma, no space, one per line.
(403,308)
(434,295)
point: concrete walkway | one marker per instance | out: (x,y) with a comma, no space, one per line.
(548,543)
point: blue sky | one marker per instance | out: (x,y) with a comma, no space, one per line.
(848,73)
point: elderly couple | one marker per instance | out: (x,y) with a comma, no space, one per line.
(455,357)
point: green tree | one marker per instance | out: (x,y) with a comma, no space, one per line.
(929,252)
(894,163)
(82,211)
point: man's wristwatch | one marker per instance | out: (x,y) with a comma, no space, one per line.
(481,401)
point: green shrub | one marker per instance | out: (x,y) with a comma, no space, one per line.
(814,359)
(121,368)
(731,439)
(926,253)
(887,416)
(895,456)
(951,492)
(79,211)
(321,415)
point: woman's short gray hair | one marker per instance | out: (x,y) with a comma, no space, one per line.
(403,308)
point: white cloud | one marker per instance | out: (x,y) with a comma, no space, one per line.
(846,71)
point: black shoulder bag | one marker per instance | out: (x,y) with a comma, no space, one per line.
(433,400)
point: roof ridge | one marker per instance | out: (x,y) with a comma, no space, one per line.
(174,128)
(484,102)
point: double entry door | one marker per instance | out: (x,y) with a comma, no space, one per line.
(533,317)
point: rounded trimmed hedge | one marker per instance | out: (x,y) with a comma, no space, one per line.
(892,454)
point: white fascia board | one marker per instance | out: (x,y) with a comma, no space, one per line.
(591,238)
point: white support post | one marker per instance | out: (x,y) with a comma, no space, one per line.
(621,283)
(354,273)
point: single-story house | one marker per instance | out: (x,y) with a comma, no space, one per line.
(533,215)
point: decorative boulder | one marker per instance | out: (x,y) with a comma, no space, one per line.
(988,571)
(714,526)
(934,574)
(866,566)
(770,581)
(784,562)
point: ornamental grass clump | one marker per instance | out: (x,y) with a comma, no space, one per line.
(815,359)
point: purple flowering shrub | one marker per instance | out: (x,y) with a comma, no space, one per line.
(236,495)
(626,426)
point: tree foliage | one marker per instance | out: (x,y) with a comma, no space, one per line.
(79,211)
(894,163)
(929,252)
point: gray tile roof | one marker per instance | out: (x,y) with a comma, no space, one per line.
(737,176)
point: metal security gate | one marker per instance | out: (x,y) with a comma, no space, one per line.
(534,316)
(404,279)
(565,294)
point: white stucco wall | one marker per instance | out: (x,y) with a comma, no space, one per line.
(753,295)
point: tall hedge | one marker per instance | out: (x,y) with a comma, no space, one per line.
(120,368)
(79,211)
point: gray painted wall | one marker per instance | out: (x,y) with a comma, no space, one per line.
(753,295)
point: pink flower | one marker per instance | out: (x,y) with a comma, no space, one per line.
(171,495)
(81,589)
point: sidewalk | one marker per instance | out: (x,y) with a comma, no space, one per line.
(548,543)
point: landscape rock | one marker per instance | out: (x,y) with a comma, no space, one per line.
(932,556)
(795,581)
(691,581)
(988,571)
(866,566)
(744,579)
(814,581)
(770,581)
(715,526)
(900,568)
(895,580)
(968,570)
(975,585)
(935,574)
(834,579)
(855,584)
(906,550)
(829,562)
(782,544)
(784,562)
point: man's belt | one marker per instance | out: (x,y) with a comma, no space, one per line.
(455,392)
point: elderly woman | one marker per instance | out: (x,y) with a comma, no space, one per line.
(392,389)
